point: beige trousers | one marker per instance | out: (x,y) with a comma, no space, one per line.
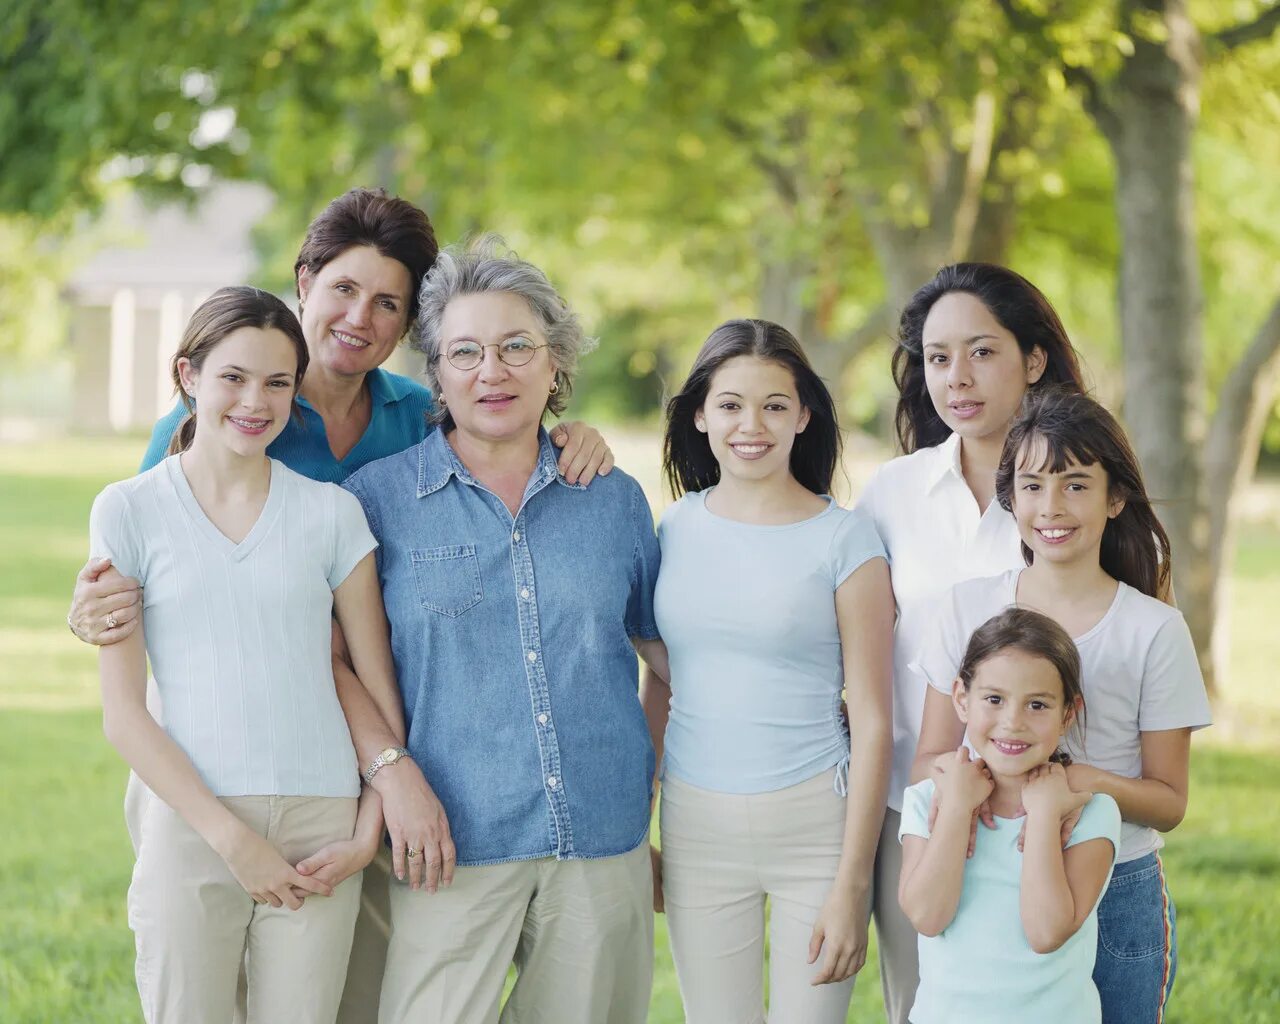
(722,855)
(194,926)
(373,924)
(897,939)
(580,933)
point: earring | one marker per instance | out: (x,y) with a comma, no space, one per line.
(440,401)
(555,386)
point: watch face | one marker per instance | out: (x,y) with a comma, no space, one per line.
(391,755)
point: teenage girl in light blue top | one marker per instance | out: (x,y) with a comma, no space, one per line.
(771,599)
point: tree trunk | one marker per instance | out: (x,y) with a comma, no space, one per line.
(1153,106)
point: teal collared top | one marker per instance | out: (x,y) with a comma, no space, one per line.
(398,420)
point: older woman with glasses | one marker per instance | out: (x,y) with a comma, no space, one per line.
(517,603)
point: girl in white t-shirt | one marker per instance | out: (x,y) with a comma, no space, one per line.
(243,562)
(1096,557)
(971,343)
(1010,925)
(771,599)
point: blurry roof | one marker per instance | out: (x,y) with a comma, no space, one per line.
(202,245)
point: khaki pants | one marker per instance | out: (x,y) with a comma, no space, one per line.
(373,925)
(722,855)
(580,933)
(195,926)
(899,944)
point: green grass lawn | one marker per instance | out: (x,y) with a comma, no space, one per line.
(65,948)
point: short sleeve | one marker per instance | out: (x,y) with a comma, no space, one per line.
(354,485)
(161,434)
(1173,694)
(352,538)
(1100,819)
(646,558)
(854,543)
(113,533)
(945,641)
(915,810)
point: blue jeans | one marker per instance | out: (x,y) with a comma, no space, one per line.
(1137,944)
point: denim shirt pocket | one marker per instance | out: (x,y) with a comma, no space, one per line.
(447,578)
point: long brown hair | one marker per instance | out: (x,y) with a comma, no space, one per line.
(687,459)
(1021,629)
(225,311)
(1019,307)
(1076,428)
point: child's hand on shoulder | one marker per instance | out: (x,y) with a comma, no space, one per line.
(1047,793)
(961,784)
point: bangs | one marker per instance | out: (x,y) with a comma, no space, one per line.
(1048,452)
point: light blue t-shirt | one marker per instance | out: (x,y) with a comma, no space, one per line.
(981,967)
(748,615)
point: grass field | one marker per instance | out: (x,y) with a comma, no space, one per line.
(65,948)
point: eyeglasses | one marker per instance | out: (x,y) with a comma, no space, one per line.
(467,355)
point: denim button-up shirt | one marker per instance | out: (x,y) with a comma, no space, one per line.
(512,639)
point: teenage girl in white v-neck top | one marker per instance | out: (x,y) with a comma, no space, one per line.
(243,563)
(972,341)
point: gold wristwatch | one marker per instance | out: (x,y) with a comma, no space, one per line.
(389,756)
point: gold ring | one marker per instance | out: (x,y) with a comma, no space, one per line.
(111,621)
(411,853)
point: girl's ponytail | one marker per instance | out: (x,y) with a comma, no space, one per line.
(184,435)
(1075,428)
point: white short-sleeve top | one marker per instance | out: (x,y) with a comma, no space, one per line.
(238,635)
(935,535)
(1139,673)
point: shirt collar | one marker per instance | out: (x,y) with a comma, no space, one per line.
(384,388)
(437,461)
(946,461)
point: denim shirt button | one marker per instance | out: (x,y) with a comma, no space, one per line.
(542,719)
(552,781)
(533,655)
(524,592)
(516,536)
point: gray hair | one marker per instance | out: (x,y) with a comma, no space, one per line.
(487,264)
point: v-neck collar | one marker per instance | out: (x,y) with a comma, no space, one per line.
(220,541)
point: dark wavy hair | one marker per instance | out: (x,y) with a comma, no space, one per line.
(225,311)
(368,216)
(1076,428)
(1033,633)
(687,460)
(1020,308)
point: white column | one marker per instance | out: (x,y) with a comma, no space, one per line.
(171,324)
(120,366)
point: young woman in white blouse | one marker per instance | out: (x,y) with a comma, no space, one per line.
(971,342)
(243,562)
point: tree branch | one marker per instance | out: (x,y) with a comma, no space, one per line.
(1261,27)
(1236,429)
(1095,103)
(783,182)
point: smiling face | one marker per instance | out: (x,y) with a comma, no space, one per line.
(974,370)
(495,401)
(1015,711)
(243,390)
(354,310)
(751,417)
(1061,516)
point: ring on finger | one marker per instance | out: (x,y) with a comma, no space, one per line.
(111,621)
(412,852)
